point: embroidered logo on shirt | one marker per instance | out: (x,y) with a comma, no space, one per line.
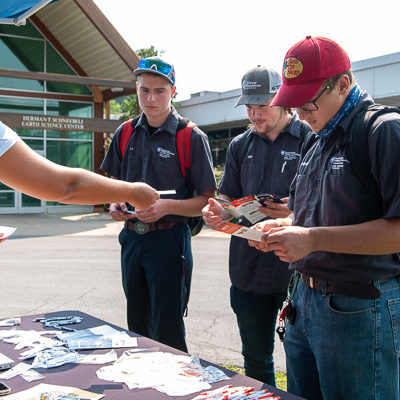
(337,163)
(164,153)
(289,155)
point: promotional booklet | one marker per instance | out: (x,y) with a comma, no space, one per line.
(246,209)
(46,392)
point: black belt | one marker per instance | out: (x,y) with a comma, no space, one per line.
(361,290)
(142,227)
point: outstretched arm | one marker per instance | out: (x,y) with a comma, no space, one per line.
(24,170)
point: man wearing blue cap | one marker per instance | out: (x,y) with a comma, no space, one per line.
(156,255)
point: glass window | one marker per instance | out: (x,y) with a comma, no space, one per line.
(71,154)
(220,134)
(21,106)
(7,199)
(27,30)
(22,55)
(4,187)
(56,64)
(29,132)
(69,135)
(238,131)
(35,144)
(28,201)
(68,108)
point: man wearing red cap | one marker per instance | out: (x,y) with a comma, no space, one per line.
(343,339)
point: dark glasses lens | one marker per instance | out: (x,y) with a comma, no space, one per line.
(155,65)
(312,104)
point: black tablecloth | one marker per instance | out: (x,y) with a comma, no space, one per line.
(84,376)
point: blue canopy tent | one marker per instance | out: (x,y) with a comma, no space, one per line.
(15,12)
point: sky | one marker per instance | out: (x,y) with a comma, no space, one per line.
(212,43)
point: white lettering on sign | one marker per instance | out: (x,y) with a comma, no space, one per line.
(52,122)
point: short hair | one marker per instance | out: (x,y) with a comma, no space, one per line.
(331,82)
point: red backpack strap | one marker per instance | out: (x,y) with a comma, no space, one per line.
(183,146)
(126,134)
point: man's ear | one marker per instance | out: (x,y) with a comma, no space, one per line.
(173,91)
(344,83)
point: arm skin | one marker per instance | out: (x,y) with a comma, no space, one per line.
(292,243)
(187,207)
(24,170)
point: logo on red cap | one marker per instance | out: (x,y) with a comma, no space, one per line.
(292,67)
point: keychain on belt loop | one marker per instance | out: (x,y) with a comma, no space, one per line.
(288,312)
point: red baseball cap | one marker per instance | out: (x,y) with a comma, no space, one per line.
(307,64)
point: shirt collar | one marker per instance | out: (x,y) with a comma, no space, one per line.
(294,126)
(170,125)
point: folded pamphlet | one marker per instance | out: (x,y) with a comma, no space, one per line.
(246,209)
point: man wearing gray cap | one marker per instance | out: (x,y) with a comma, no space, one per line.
(261,160)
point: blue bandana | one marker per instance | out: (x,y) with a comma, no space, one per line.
(351,101)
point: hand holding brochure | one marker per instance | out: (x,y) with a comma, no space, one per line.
(246,209)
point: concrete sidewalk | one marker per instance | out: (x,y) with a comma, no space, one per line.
(71,262)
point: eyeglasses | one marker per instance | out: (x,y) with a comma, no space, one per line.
(312,104)
(158,66)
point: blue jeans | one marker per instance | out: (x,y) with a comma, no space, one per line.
(156,275)
(256,316)
(343,347)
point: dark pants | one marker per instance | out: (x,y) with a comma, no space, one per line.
(256,316)
(156,274)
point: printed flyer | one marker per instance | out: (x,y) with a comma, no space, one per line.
(246,209)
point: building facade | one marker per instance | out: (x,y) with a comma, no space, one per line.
(58,73)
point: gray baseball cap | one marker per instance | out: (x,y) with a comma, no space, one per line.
(259,85)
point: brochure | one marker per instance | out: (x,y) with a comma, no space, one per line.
(46,391)
(6,231)
(246,209)
(100,337)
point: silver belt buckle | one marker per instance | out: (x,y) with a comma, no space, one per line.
(140,227)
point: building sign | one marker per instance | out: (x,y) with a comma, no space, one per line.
(59,123)
(52,122)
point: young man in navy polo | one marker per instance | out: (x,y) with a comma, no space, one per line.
(344,341)
(262,160)
(156,255)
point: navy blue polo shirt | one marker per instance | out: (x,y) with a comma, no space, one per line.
(327,193)
(152,158)
(266,167)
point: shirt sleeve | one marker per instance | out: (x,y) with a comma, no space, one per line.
(7,138)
